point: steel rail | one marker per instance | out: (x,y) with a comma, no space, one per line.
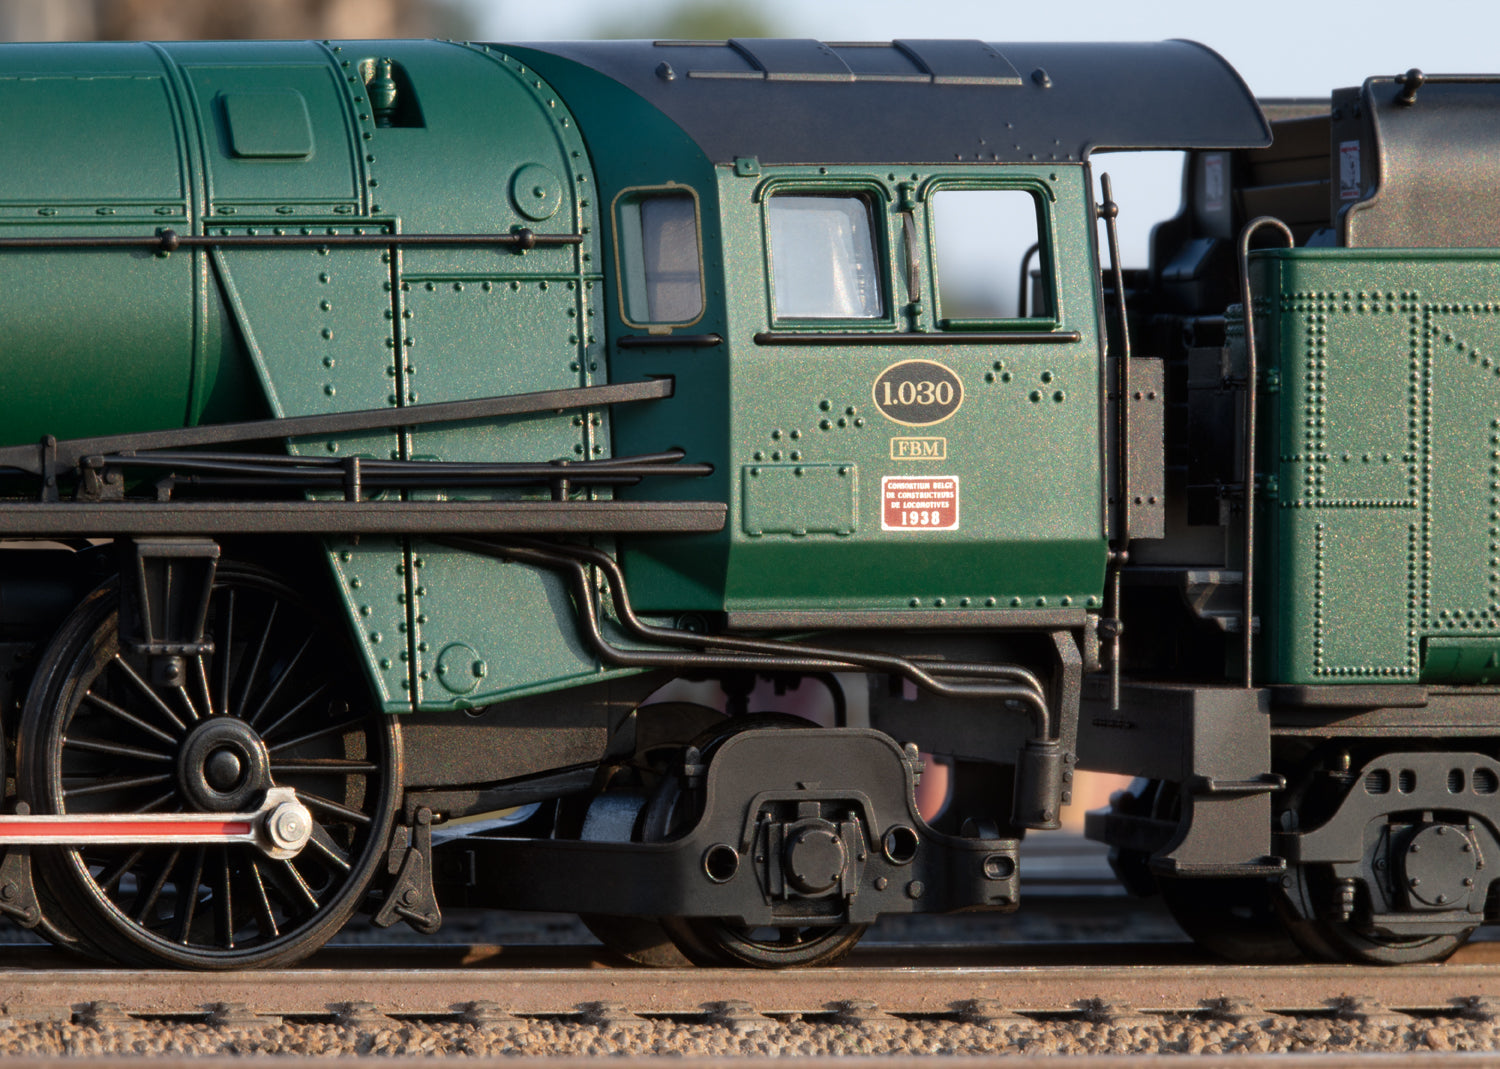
(402,981)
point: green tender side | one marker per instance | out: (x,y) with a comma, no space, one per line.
(1381,529)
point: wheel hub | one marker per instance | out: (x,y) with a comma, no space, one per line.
(1440,863)
(223,766)
(815,858)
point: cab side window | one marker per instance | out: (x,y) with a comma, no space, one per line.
(992,262)
(660,260)
(823,257)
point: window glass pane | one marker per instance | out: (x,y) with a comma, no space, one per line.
(823,258)
(982,237)
(659,259)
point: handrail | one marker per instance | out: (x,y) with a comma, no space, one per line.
(1120,553)
(1251,371)
(167,240)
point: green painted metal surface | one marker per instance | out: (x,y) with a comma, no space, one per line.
(1016,468)
(281,138)
(241,139)
(1381,516)
(678,572)
(800,450)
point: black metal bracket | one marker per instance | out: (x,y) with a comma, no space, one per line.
(17,892)
(164,599)
(411,897)
(668,341)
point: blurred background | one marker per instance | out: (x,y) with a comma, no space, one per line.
(1283,48)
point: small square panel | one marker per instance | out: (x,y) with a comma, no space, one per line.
(268,125)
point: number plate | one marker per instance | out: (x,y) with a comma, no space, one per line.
(919,503)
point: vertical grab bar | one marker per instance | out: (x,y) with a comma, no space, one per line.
(1109,211)
(1251,371)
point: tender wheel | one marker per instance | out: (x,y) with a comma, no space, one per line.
(639,940)
(710,941)
(1234,919)
(276,703)
(1325,939)
(1308,891)
(714,941)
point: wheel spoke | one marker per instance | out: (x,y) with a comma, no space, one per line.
(187,702)
(263,902)
(317,801)
(271,692)
(323,764)
(114,749)
(146,689)
(248,675)
(320,690)
(105,786)
(323,843)
(187,898)
(134,721)
(157,802)
(222,656)
(205,690)
(223,901)
(347,725)
(111,876)
(287,877)
(143,911)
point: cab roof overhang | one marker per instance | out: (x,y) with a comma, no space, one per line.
(932,101)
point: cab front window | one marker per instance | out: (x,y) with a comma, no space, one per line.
(993,264)
(823,257)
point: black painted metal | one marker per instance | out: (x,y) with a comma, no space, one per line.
(756,785)
(167,240)
(355,475)
(953,337)
(1427,823)
(1041,761)
(929,101)
(668,341)
(68,452)
(217,518)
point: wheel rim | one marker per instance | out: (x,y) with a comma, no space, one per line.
(273,705)
(768,947)
(1333,940)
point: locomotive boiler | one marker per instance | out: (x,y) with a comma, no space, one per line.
(426,464)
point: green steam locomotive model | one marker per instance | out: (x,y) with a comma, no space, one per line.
(426,464)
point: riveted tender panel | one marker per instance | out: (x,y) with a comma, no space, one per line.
(1382,510)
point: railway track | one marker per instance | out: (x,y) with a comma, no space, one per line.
(486,983)
(1119,984)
